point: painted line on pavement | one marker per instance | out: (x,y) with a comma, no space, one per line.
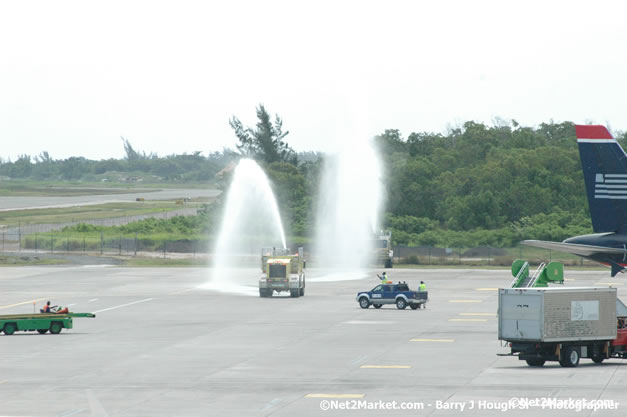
(433,340)
(467,320)
(385,366)
(124,305)
(478,314)
(21,304)
(271,404)
(486,289)
(465,301)
(182,291)
(93,299)
(609,283)
(335,396)
(71,412)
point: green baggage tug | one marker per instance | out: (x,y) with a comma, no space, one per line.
(41,323)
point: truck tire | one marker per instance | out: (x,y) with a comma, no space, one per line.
(55,327)
(42,331)
(401,304)
(414,306)
(535,362)
(598,359)
(294,293)
(302,292)
(9,329)
(377,305)
(364,302)
(570,357)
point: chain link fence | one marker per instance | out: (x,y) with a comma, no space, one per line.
(481,256)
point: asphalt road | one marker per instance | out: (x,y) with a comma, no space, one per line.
(30,202)
(160,346)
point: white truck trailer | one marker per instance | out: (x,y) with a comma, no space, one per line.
(562,324)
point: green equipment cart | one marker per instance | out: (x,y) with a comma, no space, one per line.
(42,323)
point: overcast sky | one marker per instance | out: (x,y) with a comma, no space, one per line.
(77,75)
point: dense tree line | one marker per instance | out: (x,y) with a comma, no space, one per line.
(172,168)
(485,185)
(475,185)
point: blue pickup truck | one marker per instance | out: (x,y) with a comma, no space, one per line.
(398,294)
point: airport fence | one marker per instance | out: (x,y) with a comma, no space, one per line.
(154,245)
(104,244)
(481,256)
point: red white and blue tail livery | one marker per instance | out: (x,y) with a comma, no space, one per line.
(604,165)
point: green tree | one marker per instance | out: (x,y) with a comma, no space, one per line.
(265,141)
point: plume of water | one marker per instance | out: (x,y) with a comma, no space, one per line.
(251,220)
(350,203)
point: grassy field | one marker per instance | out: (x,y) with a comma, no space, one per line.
(89,212)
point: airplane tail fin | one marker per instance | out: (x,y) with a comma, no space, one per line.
(604,166)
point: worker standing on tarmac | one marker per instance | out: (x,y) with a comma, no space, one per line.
(383,277)
(422,287)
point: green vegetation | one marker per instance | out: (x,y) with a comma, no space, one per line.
(135,167)
(265,141)
(476,185)
(89,212)
(178,234)
(481,185)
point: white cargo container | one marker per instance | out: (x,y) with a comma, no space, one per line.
(562,324)
(557,314)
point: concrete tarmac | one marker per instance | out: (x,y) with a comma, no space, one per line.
(160,346)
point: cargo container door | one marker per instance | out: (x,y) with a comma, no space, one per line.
(520,317)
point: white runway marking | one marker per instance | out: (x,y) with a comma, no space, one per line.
(182,291)
(93,299)
(98,266)
(124,305)
(367,322)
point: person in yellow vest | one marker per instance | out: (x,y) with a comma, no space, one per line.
(383,278)
(422,287)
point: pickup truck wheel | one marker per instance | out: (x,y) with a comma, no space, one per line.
(570,357)
(401,304)
(363,302)
(415,306)
(377,305)
(9,329)
(535,362)
(42,331)
(55,327)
